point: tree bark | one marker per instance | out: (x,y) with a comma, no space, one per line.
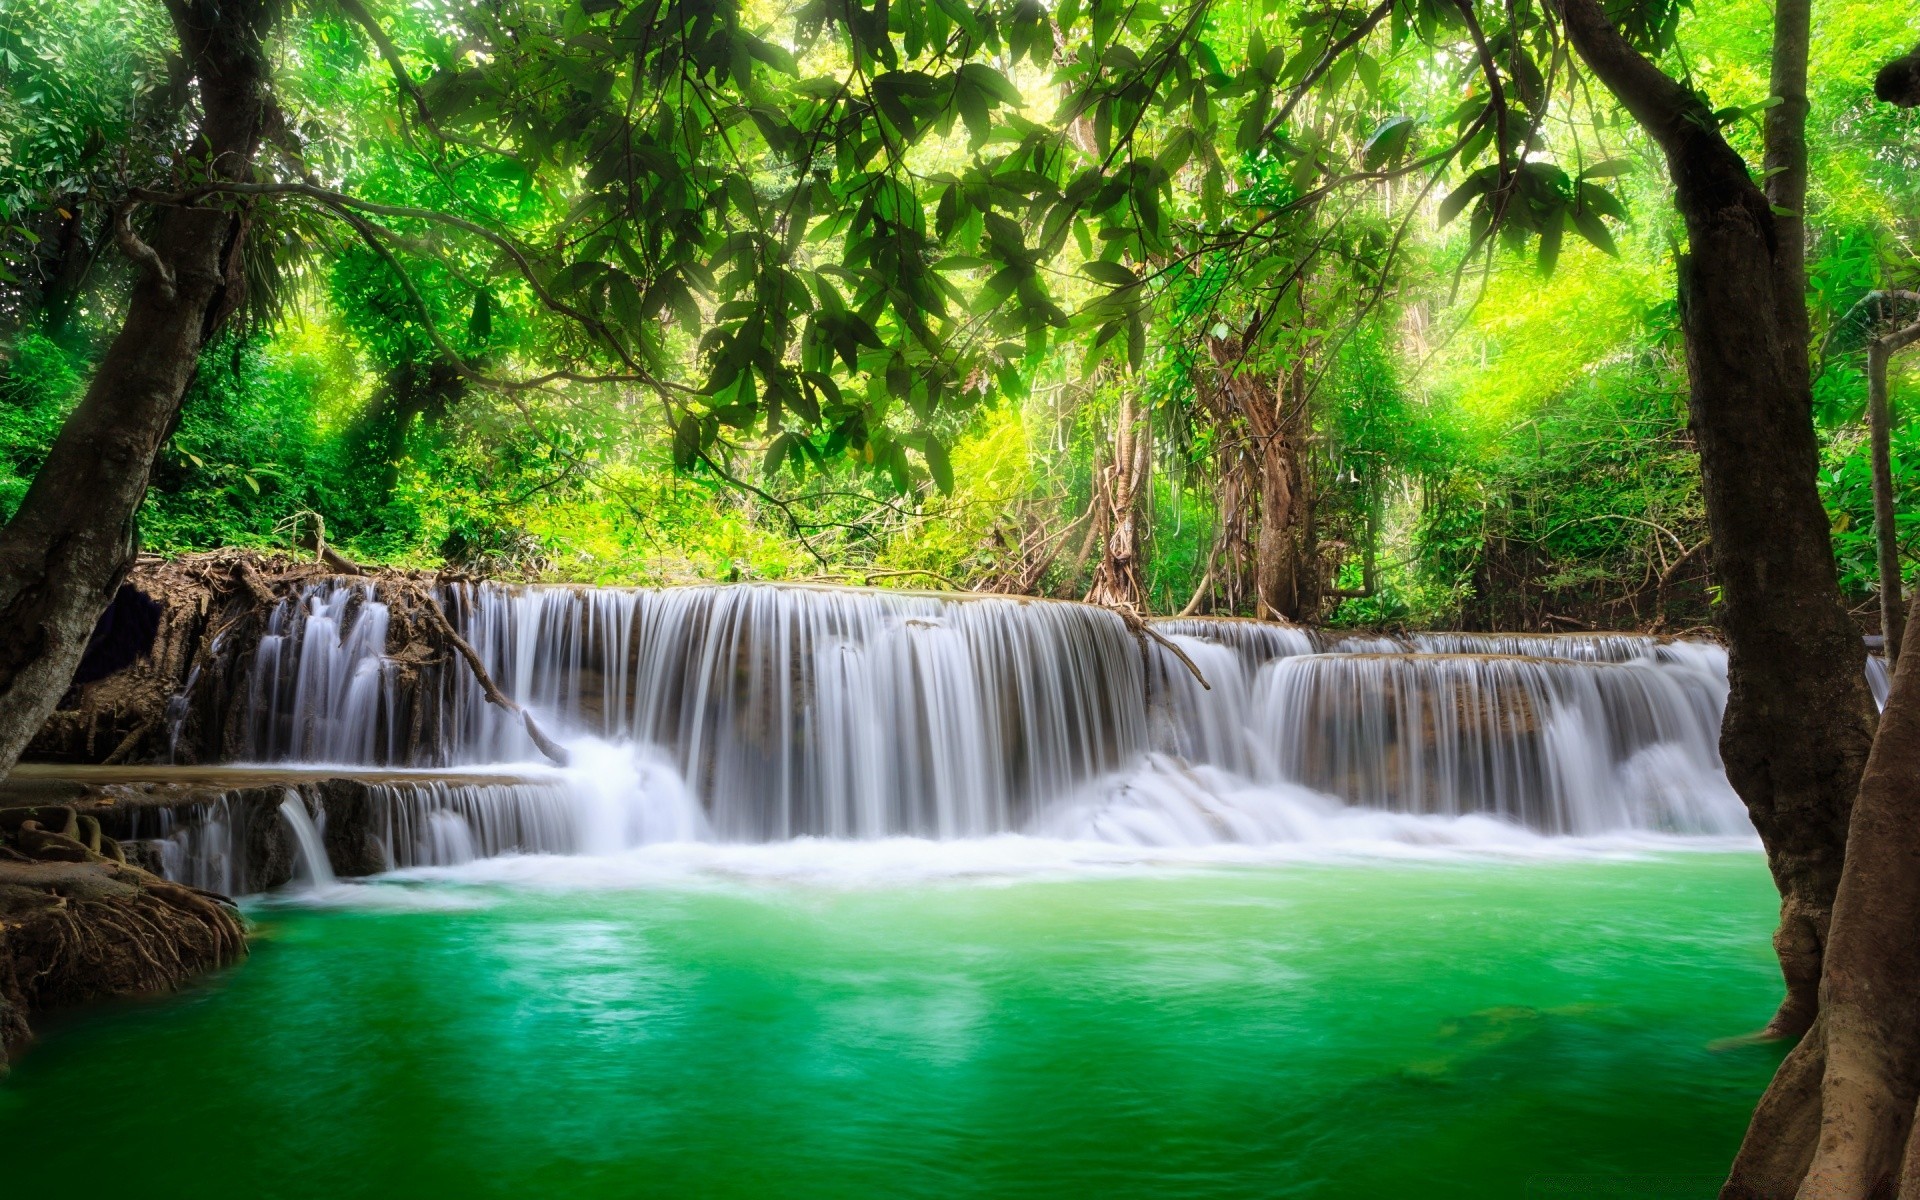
(1286,583)
(74,537)
(1117,581)
(1799,717)
(1784,167)
(1837,1122)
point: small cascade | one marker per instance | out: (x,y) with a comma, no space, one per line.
(321,688)
(178,706)
(1256,642)
(310,853)
(194,846)
(1573,647)
(255,836)
(1558,746)
(766,712)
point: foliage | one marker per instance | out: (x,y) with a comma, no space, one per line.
(611,290)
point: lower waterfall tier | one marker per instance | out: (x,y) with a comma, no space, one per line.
(247,830)
(787,711)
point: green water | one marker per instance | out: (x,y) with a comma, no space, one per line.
(1424,1031)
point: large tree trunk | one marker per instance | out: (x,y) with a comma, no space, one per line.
(1837,1123)
(1122,489)
(1286,579)
(73,538)
(1799,718)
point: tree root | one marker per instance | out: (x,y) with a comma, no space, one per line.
(76,926)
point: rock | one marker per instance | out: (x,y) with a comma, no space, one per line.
(353,846)
(145,853)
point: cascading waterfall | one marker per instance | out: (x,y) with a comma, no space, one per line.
(195,846)
(766,712)
(310,853)
(1556,745)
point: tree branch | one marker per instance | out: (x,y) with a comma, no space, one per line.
(141,253)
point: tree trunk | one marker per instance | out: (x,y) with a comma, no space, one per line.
(1117,579)
(1784,167)
(1799,718)
(1286,583)
(73,538)
(1285,587)
(1886,538)
(1837,1123)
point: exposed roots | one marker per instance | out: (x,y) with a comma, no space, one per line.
(76,932)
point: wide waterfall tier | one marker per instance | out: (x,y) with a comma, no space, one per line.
(789,711)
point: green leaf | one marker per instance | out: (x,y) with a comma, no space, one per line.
(1388,142)
(992,83)
(1608,168)
(1602,201)
(1110,273)
(1454,204)
(1550,245)
(1592,228)
(686,442)
(938,464)
(776,453)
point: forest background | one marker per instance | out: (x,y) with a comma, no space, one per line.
(1477,432)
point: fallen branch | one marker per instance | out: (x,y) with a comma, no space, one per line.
(437,617)
(253,583)
(124,751)
(1140,629)
(1206,580)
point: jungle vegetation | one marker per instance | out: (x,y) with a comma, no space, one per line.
(1494,434)
(1538,313)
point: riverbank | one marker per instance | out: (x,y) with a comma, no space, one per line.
(79,924)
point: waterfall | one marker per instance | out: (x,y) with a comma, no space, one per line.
(194,846)
(767,712)
(310,854)
(1563,746)
(789,711)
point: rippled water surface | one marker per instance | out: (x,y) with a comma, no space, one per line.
(781,1025)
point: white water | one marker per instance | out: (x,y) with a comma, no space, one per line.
(311,867)
(796,719)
